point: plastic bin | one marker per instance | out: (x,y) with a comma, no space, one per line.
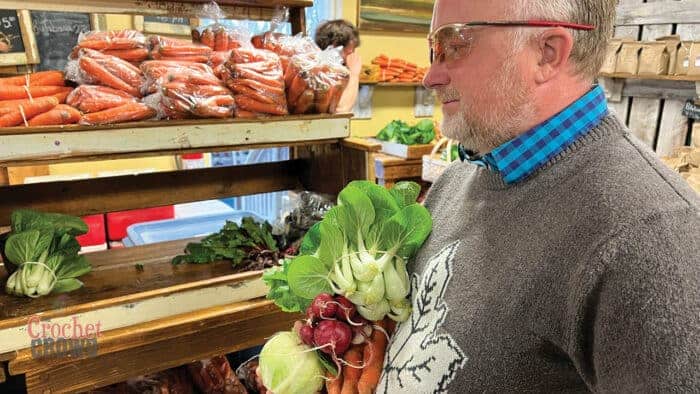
(181,228)
(96,237)
(117,222)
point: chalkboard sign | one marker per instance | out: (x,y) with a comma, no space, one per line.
(10,32)
(167,19)
(56,34)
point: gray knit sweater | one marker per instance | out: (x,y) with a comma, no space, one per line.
(584,277)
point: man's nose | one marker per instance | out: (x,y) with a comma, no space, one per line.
(436,76)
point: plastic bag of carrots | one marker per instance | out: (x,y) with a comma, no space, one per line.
(315,82)
(221,38)
(256,79)
(185,90)
(96,68)
(285,46)
(129,45)
(165,48)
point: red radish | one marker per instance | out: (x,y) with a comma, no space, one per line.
(334,333)
(324,306)
(306,333)
(346,310)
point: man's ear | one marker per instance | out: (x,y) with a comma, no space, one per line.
(554,47)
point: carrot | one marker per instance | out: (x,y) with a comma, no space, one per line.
(263,97)
(59,115)
(373,362)
(242,73)
(185,50)
(27,111)
(124,113)
(252,105)
(130,55)
(352,375)
(305,103)
(207,38)
(259,86)
(215,107)
(221,40)
(124,71)
(194,78)
(296,89)
(88,98)
(98,72)
(12,92)
(188,89)
(43,78)
(334,384)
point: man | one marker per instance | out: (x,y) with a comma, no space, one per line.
(564,256)
(341,33)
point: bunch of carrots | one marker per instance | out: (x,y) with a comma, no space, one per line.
(129,45)
(35,100)
(314,85)
(165,48)
(107,70)
(398,70)
(363,365)
(188,89)
(255,77)
(103,105)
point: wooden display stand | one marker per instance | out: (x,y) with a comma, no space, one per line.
(392,169)
(157,316)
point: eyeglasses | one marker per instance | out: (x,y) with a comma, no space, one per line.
(453,41)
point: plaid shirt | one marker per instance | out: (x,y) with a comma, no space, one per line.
(518,158)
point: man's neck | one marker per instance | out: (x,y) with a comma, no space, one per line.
(550,100)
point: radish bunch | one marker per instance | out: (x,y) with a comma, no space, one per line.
(332,325)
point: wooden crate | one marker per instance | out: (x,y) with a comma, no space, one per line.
(404,151)
(392,169)
(652,108)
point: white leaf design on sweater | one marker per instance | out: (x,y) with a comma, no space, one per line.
(420,359)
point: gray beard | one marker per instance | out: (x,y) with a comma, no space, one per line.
(482,132)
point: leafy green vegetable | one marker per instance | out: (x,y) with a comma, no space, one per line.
(358,250)
(45,251)
(401,132)
(239,244)
(289,366)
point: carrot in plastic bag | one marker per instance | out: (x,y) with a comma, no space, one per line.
(252,105)
(125,113)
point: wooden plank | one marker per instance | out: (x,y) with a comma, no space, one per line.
(18,174)
(297,17)
(622,107)
(323,168)
(654,13)
(363,144)
(686,78)
(659,89)
(645,112)
(4,176)
(120,282)
(92,196)
(674,126)
(19,144)
(238,9)
(356,165)
(162,329)
(393,168)
(157,356)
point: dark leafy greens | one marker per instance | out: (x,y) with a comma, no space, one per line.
(249,245)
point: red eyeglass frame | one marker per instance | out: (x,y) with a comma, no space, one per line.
(523,23)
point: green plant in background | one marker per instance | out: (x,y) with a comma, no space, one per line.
(401,132)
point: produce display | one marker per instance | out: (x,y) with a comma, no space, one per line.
(401,132)
(124,76)
(43,251)
(398,70)
(351,280)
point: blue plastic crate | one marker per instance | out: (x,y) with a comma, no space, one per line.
(181,228)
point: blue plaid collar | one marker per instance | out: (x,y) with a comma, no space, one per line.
(518,158)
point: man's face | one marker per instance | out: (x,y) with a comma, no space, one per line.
(484,94)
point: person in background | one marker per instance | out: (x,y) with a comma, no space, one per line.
(564,256)
(341,33)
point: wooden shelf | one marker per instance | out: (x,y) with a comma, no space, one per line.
(30,145)
(687,78)
(118,295)
(234,9)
